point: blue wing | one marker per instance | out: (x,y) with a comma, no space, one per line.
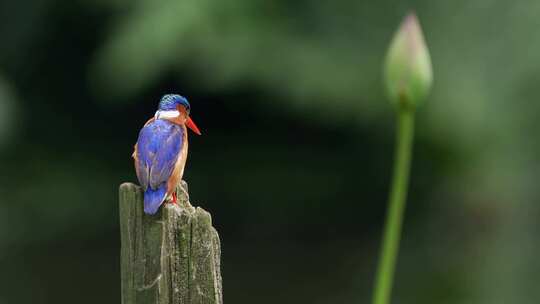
(158,147)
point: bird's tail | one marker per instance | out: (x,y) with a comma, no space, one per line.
(154,198)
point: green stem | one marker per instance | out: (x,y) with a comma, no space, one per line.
(396,206)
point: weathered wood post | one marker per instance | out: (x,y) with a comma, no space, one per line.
(170,257)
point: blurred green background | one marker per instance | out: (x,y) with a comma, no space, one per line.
(296,152)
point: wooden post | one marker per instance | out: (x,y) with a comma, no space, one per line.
(170,257)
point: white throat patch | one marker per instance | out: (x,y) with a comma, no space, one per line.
(166,114)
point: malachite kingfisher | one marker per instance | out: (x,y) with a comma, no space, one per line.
(161,151)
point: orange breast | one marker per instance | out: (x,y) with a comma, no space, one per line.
(178,171)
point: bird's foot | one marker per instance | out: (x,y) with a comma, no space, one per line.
(174,198)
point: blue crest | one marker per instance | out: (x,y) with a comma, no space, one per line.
(168,102)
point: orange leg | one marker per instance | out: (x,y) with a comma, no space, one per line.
(174,200)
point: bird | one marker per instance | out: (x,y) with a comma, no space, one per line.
(161,151)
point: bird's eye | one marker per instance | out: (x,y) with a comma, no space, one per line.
(182,108)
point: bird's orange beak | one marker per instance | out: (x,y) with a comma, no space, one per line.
(190,124)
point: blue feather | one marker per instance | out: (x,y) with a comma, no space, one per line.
(154,198)
(158,148)
(169,102)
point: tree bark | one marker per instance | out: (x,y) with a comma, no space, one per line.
(170,257)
